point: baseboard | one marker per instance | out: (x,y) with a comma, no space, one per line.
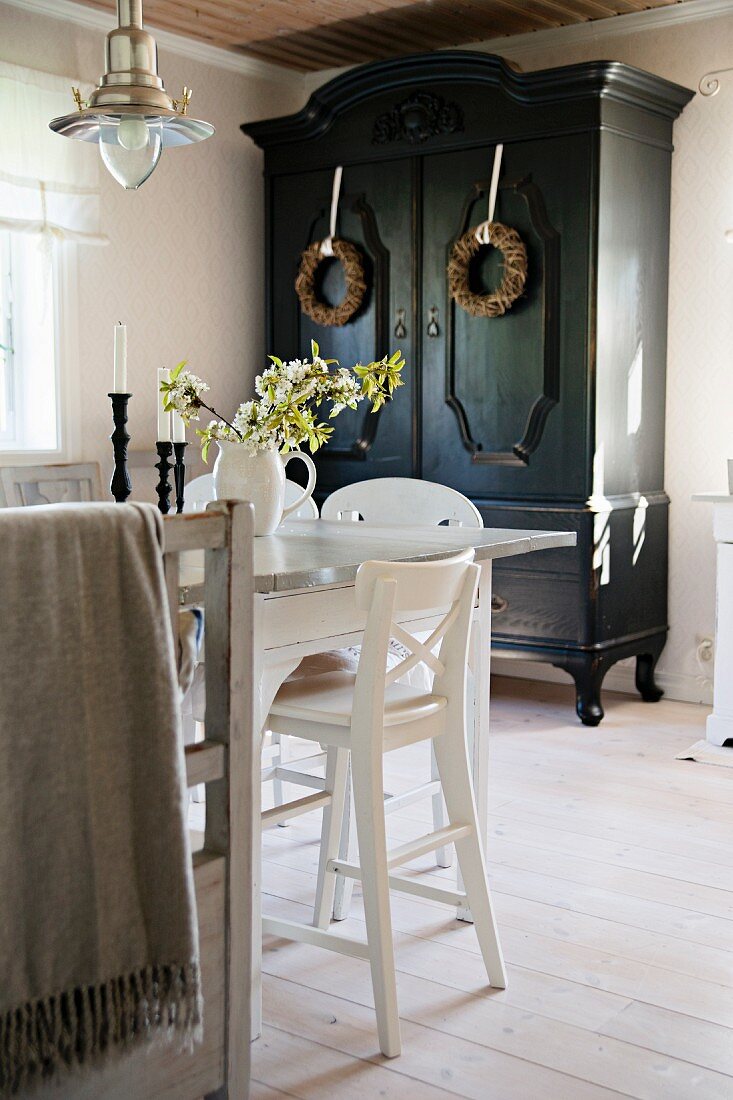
(680,686)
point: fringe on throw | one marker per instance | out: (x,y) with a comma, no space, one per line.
(93,1025)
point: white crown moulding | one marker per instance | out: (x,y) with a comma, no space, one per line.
(187,47)
(686,11)
(516,45)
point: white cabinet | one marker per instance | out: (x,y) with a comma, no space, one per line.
(720,722)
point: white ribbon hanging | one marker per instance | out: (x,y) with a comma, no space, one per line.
(327,245)
(482,231)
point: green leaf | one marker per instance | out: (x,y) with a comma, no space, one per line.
(314,349)
(178,368)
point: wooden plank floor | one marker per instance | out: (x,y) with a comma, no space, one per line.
(612,870)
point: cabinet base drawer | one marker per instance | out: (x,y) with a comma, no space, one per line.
(531,606)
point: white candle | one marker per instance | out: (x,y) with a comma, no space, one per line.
(119,383)
(164,418)
(179,428)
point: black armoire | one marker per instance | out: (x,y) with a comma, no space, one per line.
(551,416)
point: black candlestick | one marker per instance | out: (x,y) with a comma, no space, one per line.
(120,485)
(179,474)
(164,487)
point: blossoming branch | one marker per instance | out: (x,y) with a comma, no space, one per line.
(290,396)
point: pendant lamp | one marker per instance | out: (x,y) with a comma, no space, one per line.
(130,114)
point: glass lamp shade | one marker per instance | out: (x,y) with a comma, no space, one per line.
(130,113)
(131,139)
(130,147)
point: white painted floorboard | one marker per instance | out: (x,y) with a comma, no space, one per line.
(612,870)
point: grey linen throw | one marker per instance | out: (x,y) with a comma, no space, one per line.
(98,932)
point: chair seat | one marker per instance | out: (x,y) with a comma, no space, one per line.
(327,699)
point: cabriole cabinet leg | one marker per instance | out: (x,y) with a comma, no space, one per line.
(646,663)
(588,671)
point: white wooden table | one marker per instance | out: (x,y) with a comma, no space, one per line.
(719,727)
(304,604)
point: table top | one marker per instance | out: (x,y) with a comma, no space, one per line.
(312,553)
(713,498)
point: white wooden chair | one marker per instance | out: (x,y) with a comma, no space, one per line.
(218,1067)
(63,482)
(200,491)
(400,501)
(368,714)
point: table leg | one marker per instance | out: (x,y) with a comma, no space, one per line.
(267,680)
(478,732)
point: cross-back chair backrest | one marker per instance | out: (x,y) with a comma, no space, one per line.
(401,500)
(60,483)
(444,591)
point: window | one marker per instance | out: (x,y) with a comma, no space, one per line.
(49,207)
(29,390)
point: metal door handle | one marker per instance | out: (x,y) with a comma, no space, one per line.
(399,330)
(433,329)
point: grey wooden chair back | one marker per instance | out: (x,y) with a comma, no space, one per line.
(62,483)
(218,1067)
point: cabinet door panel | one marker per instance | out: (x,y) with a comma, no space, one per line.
(504,398)
(375,213)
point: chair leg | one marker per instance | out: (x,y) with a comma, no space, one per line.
(347,852)
(444,856)
(452,759)
(198,793)
(337,764)
(277,785)
(366,779)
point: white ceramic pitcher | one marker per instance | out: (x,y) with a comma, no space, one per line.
(259,478)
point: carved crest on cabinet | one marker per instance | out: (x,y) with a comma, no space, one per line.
(417,118)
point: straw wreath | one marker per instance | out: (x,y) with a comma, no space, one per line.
(350,259)
(510,244)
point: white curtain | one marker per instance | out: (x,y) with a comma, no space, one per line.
(49,184)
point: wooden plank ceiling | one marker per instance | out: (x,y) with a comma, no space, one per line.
(321,34)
